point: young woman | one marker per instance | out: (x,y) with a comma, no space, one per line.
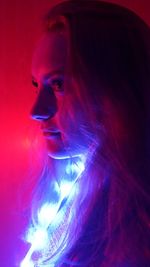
(91,208)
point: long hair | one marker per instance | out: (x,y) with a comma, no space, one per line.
(105,218)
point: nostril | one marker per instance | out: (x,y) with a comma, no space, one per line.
(40,117)
(45,106)
(42,113)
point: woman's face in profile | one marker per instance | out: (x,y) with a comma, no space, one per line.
(48,74)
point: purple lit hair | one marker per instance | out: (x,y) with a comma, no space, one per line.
(107,221)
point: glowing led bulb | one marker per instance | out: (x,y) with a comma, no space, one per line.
(27,263)
(40,239)
(46,214)
(65,188)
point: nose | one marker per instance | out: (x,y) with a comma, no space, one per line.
(45,105)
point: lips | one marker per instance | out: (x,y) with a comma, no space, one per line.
(51,132)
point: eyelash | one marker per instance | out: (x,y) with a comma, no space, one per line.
(56,85)
(35,84)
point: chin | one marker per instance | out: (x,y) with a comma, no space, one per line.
(56,149)
(58,155)
(63,155)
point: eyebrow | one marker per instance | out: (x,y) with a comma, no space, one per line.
(48,75)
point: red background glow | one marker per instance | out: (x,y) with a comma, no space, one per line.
(20,27)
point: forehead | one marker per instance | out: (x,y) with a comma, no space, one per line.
(50,54)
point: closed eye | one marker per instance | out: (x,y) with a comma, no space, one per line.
(34,83)
(57,85)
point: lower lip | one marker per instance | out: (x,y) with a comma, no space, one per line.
(51,134)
